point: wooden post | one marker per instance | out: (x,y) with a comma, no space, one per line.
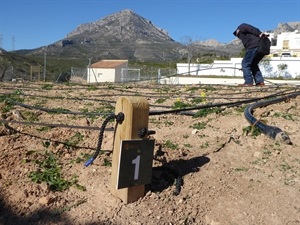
(136,116)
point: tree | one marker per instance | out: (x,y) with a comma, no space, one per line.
(282,69)
(190,50)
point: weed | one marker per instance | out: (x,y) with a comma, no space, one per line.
(285,167)
(92,88)
(205,112)
(107,163)
(30,116)
(240,109)
(168,123)
(286,116)
(154,120)
(74,140)
(199,125)
(253,130)
(82,158)
(47,87)
(187,145)
(41,129)
(205,145)
(49,171)
(180,105)
(160,100)
(170,144)
(8,99)
(46,144)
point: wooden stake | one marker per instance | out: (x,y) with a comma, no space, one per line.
(136,116)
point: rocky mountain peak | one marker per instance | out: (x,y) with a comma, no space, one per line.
(211,43)
(124,25)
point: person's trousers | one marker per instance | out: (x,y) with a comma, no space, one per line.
(251,71)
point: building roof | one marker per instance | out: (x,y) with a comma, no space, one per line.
(108,63)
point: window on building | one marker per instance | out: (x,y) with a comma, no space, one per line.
(100,74)
(285,44)
(297,42)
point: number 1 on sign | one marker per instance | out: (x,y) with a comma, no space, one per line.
(136,161)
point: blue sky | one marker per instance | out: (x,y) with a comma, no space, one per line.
(28,24)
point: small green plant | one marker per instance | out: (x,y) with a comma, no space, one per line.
(47,87)
(253,130)
(168,123)
(205,112)
(204,145)
(43,129)
(92,88)
(187,145)
(285,167)
(83,157)
(170,144)
(107,163)
(240,109)
(30,116)
(199,125)
(160,100)
(8,100)
(49,171)
(180,105)
(74,140)
(196,101)
(241,169)
(286,116)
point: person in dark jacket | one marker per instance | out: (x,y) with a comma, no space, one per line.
(250,36)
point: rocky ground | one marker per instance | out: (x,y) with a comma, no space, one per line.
(210,166)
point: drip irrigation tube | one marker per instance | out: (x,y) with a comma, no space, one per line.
(228,104)
(271,131)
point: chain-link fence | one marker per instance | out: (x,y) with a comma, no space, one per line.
(130,75)
(79,74)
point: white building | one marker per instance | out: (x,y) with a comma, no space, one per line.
(286,44)
(107,71)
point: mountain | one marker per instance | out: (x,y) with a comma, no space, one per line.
(286,27)
(122,35)
(126,35)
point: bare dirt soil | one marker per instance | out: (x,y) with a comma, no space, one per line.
(210,166)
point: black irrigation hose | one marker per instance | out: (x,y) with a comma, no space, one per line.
(119,118)
(215,105)
(54,110)
(271,131)
(52,125)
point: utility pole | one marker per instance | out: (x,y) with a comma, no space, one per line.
(45,64)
